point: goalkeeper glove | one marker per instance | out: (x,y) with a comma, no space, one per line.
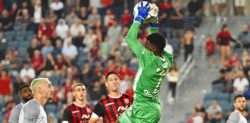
(142,12)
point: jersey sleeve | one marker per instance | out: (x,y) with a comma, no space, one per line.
(67,116)
(234,118)
(143,55)
(14,115)
(131,39)
(31,112)
(99,110)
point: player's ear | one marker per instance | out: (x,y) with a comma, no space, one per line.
(39,89)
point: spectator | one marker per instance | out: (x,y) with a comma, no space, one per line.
(38,13)
(218,6)
(6,87)
(210,50)
(77,29)
(57,6)
(239,7)
(25,20)
(194,8)
(81,3)
(95,4)
(176,17)
(27,73)
(70,5)
(69,51)
(83,15)
(35,45)
(38,62)
(214,112)
(245,57)
(71,18)
(223,40)
(94,16)
(244,36)
(62,29)
(199,108)
(165,6)
(6,22)
(114,33)
(57,49)
(14,63)
(108,18)
(124,71)
(173,78)
(246,69)
(2,45)
(49,65)
(59,62)
(187,42)
(126,18)
(47,48)
(241,83)
(89,38)
(110,67)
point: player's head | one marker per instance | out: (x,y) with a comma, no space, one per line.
(43,87)
(239,102)
(112,81)
(224,28)
(155,43)
(79,91)
(25,92)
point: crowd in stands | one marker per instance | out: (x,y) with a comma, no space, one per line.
(233,77)
(76,41)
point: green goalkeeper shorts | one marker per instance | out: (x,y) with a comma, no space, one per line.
(143,112)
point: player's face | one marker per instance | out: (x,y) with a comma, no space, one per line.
(240,103)
(26,94)
(150,46)
(113,83)
(79,92)
(48,90)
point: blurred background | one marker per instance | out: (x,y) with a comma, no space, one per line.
(81,40)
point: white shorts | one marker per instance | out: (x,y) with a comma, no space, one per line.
(239,3)
(218,2)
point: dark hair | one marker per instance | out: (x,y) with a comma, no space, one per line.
(223,27)
(158,40)
(109,73)
(237,96)
(22,86)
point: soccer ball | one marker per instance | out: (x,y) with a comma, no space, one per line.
(152,14)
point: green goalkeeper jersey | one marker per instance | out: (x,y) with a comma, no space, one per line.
(152,69)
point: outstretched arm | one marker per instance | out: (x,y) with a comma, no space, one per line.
(131,37)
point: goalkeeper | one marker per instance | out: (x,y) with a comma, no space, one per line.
(154,62)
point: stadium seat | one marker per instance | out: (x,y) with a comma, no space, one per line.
(225,105)
(207,103)
(12,44)
(210,96)
(223,96)
(50,108)
(9,33)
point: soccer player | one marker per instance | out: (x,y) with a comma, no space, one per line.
(239,105)
(79,111)
(109,108)
(154,63)
(26,95)
(33,110)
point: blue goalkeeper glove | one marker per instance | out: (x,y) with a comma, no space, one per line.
(142,12)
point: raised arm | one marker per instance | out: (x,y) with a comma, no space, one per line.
(131,37)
